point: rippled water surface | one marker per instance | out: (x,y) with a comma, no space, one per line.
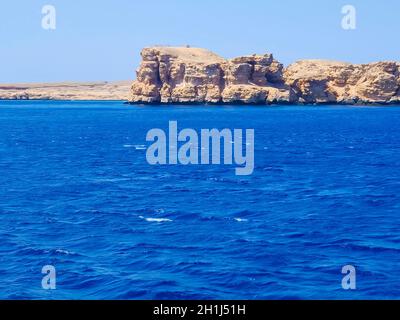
(76,192)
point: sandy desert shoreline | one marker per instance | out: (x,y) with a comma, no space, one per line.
(97,90)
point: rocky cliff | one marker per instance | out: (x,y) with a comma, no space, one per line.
(193,75)
(315,81)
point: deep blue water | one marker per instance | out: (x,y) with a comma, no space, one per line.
(76,192)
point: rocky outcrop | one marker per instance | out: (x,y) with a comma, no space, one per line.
(315,81)
(193,75)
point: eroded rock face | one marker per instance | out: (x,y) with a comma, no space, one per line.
(315,81)
(192,75)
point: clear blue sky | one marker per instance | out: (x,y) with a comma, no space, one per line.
(102,39)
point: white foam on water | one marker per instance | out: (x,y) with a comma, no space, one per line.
(241,220)
(136,146)
(66,252)
(140,147)
(158,220)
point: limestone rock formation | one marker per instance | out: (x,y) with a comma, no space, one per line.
(193,75)
(316,81)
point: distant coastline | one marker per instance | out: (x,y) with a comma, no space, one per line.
(184,75)
(68,91)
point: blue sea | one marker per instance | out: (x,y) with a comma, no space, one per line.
(77,193)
